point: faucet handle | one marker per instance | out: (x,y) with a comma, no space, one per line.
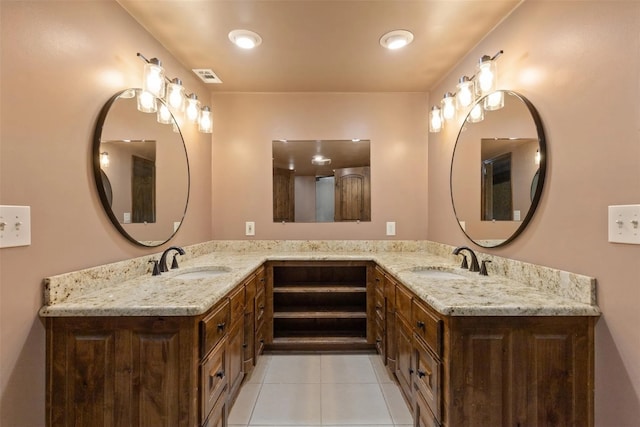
(483,268)
(174,263)
(464,264)
(156,267)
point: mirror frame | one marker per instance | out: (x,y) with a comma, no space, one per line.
(542,169)
(97,174)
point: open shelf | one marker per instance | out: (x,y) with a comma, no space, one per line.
(319,306)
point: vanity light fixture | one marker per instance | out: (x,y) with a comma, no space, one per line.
(435,120)
(205,122)
(245,39)
(167,98)
(536,159)
(483,83)
(396,39)
(104,159)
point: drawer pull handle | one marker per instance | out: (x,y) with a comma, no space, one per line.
(261,307)
(421,374)
(221,326)
(220,374)
(245,345)
(378,307)
(420,324)
(378,340)
(411,371)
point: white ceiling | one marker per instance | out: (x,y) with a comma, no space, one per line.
(320,45)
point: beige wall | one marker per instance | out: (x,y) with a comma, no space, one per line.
(246,123)
(61,61)
(579,63)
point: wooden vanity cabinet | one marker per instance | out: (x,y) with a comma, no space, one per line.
(404,343)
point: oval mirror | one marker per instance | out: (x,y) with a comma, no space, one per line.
(141,171)
(497,171)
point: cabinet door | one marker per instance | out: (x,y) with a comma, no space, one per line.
(249,343)
(390,323)
(353,194)
(235,355)
(404,368)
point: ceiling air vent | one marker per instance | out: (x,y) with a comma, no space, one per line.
(207,75)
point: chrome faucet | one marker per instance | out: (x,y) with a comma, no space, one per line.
(474,259)
(163,258)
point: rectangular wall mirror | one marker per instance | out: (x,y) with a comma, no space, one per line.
(321,180)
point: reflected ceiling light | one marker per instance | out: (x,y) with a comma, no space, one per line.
(355,140)
(396,39)
(245,39)
(435,120)
(164,115)
(104,159)
(494,101)
(476,114)
(320,160)
(146,102)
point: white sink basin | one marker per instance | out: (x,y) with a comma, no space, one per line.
(437,274)
(202,273)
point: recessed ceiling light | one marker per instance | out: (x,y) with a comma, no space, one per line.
(396,39)
(245,39)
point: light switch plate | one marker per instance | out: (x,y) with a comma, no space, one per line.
(391,228)
(624,224)
(250,228)
(15,226)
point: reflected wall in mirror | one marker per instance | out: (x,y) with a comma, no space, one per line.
(497,172)
(141,171)
(321,180)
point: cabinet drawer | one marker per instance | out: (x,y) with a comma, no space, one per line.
(213,380)
(379,336)
(403,303)
(260,306)
(427,327)
(213,327)
(424,417)
(250,291)
(236,305)
(260,338)
(427,378)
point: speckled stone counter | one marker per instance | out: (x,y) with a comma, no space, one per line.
(127,288)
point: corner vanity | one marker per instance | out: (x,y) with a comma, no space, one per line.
(514,348)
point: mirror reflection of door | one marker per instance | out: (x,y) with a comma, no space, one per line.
(283,195)
(497,194)
(143,190)
(353,194)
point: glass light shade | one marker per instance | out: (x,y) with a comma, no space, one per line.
(104,159)
(435,120)
(494,101)
(464,93)
(486,76)
(476,114)
(153,79)
(537,157)
(193,108)
(146,102)
(164,115)
(448,107)
(205,122)
(175,95)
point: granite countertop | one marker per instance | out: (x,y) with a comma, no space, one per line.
(537,292)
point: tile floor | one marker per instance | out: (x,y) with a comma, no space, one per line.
(319,390)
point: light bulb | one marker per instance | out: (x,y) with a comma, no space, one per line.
(494,101)
(164,115)
(175,95)
(104,159)
(205,124)
(193,108)
(486,76)
(537,157)
(146,102)
(153,79)
(448,106)
(435,120)
(476,114)
(464,95)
